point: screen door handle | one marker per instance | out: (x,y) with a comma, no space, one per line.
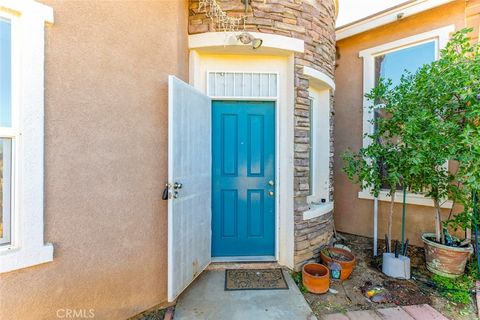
(165,192)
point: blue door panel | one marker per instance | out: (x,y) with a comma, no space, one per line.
(255,157)
(243,221)
(229,144)
(255,213)
(229,200)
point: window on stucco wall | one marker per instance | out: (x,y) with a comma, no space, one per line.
(389,61)
(22,49)
(394,64)
(8,134)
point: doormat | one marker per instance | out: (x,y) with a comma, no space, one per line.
(255,279)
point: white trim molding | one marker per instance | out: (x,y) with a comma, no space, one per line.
(222,42)
(388,16)
(318,78)
(412,198)
(27,247)
(42,12)
(318,210)
(320,89)
(441,37)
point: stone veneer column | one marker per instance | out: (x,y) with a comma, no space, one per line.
(314,22)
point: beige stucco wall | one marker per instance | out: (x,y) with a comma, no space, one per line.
(106,159)
(472,18)
(353,215)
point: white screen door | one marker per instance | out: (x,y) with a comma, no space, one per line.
(189,205)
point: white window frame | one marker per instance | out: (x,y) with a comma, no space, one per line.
(321,87)
(441,37)
(12,133)
(27,247)
(7,193)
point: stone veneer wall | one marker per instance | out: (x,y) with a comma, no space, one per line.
(314,22)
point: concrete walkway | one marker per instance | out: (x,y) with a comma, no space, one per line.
(207,299)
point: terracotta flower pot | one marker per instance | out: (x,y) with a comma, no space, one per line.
(347,264)
(445,260)
(316,277)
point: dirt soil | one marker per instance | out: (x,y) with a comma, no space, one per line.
(367,274)
(157,313)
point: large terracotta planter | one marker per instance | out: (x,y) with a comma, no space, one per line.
(316,278)
(445,260)
(347,266)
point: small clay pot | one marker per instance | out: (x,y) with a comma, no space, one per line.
(347,266)
(316,278)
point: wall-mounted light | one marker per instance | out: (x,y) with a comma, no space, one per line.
(247,38)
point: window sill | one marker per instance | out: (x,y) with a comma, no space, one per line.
(317,210)
(412,198)
(18,258)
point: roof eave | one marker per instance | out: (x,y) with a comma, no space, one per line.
(388,16)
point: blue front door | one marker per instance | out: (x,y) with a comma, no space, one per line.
(243,146)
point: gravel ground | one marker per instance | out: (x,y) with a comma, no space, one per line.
(400,292)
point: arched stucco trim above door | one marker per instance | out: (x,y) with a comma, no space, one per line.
(319,78)
(227,42)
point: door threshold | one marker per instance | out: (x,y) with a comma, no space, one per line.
(245,259)
(251,262)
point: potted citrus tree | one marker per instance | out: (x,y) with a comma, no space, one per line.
(431,113)
(384,164)
(371,168)
(448,89)
(463,79)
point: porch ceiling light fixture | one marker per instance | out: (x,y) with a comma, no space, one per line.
(247,38)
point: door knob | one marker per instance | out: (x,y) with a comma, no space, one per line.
(271,183)
(271,193)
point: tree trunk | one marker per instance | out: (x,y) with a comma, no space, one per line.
(438,223)
(390,218)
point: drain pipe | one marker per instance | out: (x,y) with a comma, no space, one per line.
(404,208)
(375,226)
(475,214)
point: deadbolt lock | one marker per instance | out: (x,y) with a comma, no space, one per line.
(177,185)
(271,183)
